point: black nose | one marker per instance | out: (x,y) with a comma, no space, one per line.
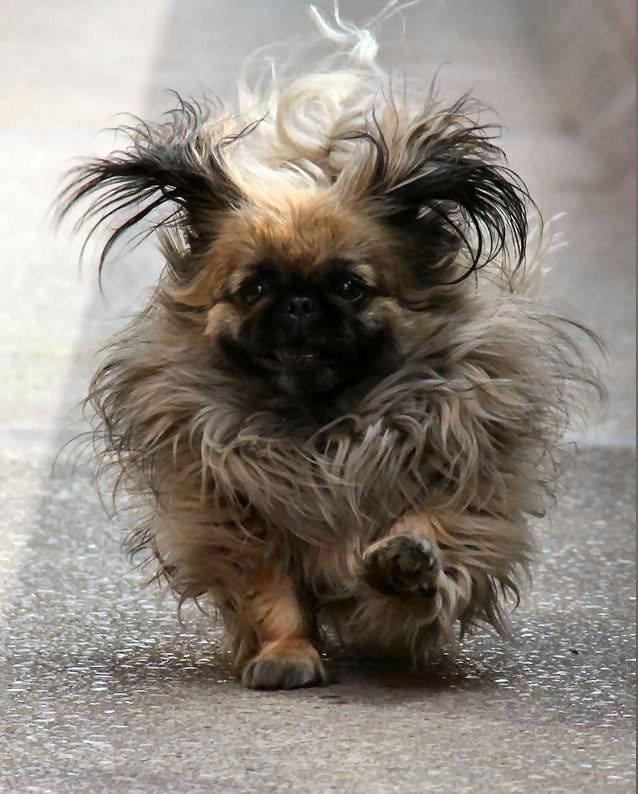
(301,307)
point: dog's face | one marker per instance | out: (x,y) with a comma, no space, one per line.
(315,288)
(299,295)
(305,332)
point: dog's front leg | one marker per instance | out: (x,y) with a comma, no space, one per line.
(286,659)
(406,562)
(414,579)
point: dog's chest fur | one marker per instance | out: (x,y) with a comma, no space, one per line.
(351,478)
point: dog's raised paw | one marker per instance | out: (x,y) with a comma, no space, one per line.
(285,666)
(402,565)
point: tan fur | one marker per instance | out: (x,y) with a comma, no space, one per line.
(281,627)
(222,318)
(302,233)
(250,500)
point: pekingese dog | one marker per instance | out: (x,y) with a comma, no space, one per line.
(343,400)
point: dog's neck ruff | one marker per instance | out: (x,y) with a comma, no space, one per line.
(359,469)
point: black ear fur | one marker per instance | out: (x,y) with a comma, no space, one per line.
(171,163)
(444,187)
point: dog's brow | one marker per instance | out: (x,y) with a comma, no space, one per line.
(347,266)
(237,278)
(365,272)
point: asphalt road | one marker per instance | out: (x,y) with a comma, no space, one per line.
(102,688)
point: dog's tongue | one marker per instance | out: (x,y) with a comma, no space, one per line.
(297,354)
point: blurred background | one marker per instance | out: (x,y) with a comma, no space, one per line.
(559,73)
(92,666)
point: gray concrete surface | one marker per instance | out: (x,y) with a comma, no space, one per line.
(103,690)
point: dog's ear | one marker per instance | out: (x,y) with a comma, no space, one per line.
(176,164)
(442,184)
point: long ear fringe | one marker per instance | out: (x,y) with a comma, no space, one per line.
(171,164)
(439,175)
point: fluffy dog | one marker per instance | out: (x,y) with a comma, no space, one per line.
(343,400)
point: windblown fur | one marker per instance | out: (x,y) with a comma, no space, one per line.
(464,432)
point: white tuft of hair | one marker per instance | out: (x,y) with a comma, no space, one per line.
(303,116)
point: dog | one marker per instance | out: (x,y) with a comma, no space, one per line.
(344,399)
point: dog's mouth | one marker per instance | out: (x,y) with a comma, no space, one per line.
(302,357)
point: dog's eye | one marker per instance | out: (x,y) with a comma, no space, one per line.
(254,291)
(350,289)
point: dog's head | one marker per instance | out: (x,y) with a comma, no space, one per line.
(301,292)
(311,285)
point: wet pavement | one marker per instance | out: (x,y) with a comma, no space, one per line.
(102,689)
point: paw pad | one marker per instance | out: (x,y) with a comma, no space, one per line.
(403,565)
